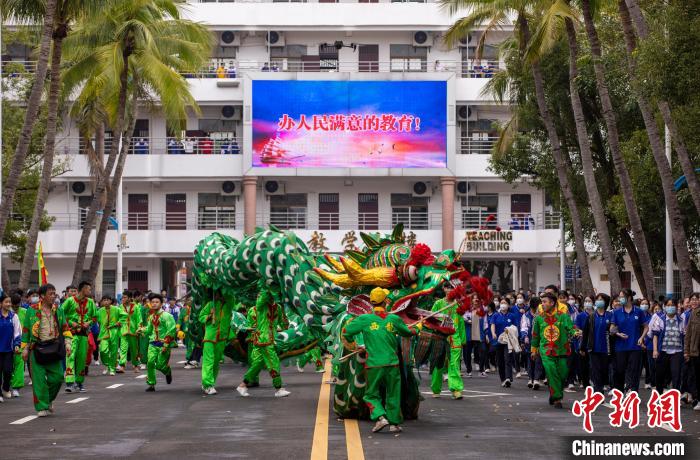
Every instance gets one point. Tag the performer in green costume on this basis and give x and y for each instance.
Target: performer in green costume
(551, 333)
(108, 317)
(18, 365)
(453, 356)
(46, 323)
(379, 331)
(143, 338)
(261, 350)
(194, 336)
(131, 321)
(313, 355)
(80, 313)
(161, 332)
(216, 317)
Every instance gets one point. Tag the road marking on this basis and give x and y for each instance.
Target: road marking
(76, 400)
(142, 376)
(319, 447)
(181, 362)
(480, 394)
(353, 441)
(116, 385)
(24, 420)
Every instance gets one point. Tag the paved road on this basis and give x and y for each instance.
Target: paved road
(119, 419)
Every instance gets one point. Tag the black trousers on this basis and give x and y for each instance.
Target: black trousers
(472, 346)
(650, 369)
(535, 371)
(6, 367)
(504, 362)
(695, 368)
(599, 370)
(668, 364)
(628, 369)
(584, 370)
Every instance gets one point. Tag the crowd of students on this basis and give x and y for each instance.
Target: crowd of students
(619, 339)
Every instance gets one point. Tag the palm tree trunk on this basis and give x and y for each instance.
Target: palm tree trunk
(664, 107)
(112, 197)
(47, 168)
(680, 240)
(596, 203)
(628, 243)
(30, 117)
(560, 165)
(638, 235)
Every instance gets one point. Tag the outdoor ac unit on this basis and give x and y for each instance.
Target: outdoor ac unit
(422, 38)
(421, 189)
(229, 38)
(465, 113)
(80, 189)
(463, 188)
(230, 188)
(465, 41)
(231, 112)
(273, 187)
(274, 38)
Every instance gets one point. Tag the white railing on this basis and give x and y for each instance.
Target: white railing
(162, 146)
(341, 221)
(220, 219)
(490, 220)
(477, 145)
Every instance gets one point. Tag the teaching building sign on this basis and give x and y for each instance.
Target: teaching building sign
(488, 241)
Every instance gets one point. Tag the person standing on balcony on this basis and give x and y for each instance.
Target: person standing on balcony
(231, 70)
(80, 313)
(216, 317)
(131, 323)
(188, 146)
(220, 71)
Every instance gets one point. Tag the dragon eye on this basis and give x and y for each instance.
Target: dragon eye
(412, 273)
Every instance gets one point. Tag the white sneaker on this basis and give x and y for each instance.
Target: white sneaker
(570, 389)
(15, 393)
(647, 386)
(243, 391)
(97, 362)
(444, 378)
(529, 384)
(210, 391)
(142, 367)
(379, 426)
(300, 369)
(42, 413)
(536, 384)
(697, 407)
(518, 375)
(51, 408)
(105, 372)
(188, 366)
(195, 364)
(1, 400)
(7, 395)
(482, 374)
(395, 429)
(111, 373)
(281, 393)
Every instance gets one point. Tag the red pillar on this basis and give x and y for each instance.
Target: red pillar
(250, 190)
(447, 185)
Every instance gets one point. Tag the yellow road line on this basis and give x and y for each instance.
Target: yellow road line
(353, 440)
(319, 448)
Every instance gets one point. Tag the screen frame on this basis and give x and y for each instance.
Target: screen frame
(250, 170)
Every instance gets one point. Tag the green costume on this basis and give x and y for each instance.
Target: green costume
(194, 334)
(551, 333)
(313, 355)
(161, 332)
(183, 322)
(379, 332)
(262, 354)
(18, 364)
(216, 317)
(131, 322)
(46, 378)
(454, 352)
(80, 315)
(143, 338)
(110, 327)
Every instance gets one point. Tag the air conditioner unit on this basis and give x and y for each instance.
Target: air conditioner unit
(230, 188)
(231, 112)
(464, 188)
(274, 38)
(422, 38)
(421, 189)
(229, 38)
(465, 41)
(273, 187)
(465, 113)
(80, 189)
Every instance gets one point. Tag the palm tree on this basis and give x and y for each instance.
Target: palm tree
(560, 16)
(638, 235)
(66, 12)
(497, 12)
(635, 12)
(20, 9)
(680, 240)
(132, 49)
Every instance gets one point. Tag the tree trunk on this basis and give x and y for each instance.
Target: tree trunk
(5, 280)
(638, 235)
(680, 240)
(635, 261)
(681, 149)
(601, 225)
(30, 117)
(47, 168)
(560, 165)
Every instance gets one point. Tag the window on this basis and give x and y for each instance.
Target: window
(484, 67)
(33, 279)
(368, 211)
(139, 140)
(480, 211)
(408, 58)
(411, 211)
(137, 216)
(328, 58)
(520, 216)
(217, 127)
(137, 280)
(288, 58)
(175, 211)
(288, 211)
(328, 211)
(368, 56)
(216, 211)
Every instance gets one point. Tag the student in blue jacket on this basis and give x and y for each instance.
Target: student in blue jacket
(629, 328)
(648, 362)
(595, 342)
(504, 359)
(10, 341)
(535, 371)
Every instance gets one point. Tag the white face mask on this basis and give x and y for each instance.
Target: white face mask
(504, 307)
(34, 299)
(520, 301)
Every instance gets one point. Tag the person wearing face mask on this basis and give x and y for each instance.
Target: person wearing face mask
(691, 346)
(629, 328)
(668, 348)
(535, 371)
(474, 325)
(648, 362)
(582, 362)
(500, 320)
(32, 299)
(595, 342)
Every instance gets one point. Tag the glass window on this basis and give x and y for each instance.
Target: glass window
(216, 211)
(288, 211)
(368, 211)
(408, 58)
(328, 211)
(410, 210)
(480, 211)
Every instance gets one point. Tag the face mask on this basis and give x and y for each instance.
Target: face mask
(504, 307)
(600, 304)
(671, 310)
(588, 305)
(623, 301)
(644, 307)
(519, 301)
(34, 299)
(571, 302)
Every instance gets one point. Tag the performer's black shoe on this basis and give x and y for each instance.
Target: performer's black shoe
(151, 388)
(557, 405)
(169, 377)
(253, 384)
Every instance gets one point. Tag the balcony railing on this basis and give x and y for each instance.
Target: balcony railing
(479, 146)
(489, 220)
(235, 68)
(359, 221)
(205, 220)
(162, 146)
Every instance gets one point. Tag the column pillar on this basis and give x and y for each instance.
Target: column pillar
(447, 185)
(250, 190)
